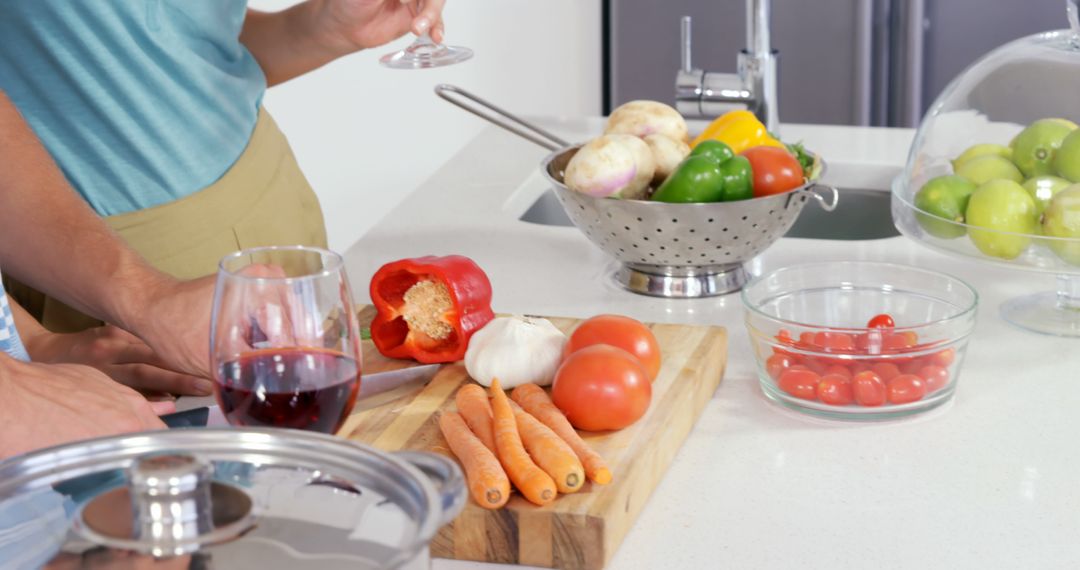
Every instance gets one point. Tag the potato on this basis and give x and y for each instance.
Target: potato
(643, 118)
(667, 154)
(612, 166)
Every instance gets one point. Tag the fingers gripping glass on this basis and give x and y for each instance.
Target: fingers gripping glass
(284, 340)
(425, 53)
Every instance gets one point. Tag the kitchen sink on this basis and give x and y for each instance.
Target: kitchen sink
(860, 214)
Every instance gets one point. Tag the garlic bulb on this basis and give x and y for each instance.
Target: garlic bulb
(516, 350)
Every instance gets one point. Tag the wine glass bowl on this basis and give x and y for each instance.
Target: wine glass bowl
(285, 347)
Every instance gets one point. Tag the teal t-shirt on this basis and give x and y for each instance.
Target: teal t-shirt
(140, 102)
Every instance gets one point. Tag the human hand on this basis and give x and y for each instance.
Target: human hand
(51, 404)
(175, 324)
(121, 355)
(351, 25)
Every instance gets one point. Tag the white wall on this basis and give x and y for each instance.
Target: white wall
(366, 135)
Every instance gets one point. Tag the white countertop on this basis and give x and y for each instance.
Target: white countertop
(991, 480)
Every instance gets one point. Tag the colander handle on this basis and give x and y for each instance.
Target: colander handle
(827, 206)
(447, 477)
(512, 123)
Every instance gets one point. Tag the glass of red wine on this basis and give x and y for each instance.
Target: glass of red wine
(284, 339)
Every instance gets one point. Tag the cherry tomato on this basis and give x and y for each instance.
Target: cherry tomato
(913, 366)
(777, 364)
(835, 390)
(799, 367)
(818, 365)
(602, 387)
(857, 367)
(621, 332)
(882, 321)
(943, 358)
(839, 369)
(905, 389)
(936, 377)
(886, 370)
(775, 170)
(868, 389)
(784, 337)
(835, 342)
(800, 383)
(806, 341)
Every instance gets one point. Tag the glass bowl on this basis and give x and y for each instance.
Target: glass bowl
(816, 316)
(975, 181)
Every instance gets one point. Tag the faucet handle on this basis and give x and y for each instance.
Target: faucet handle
(685, 56)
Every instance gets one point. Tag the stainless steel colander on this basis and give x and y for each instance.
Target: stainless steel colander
(666, 250)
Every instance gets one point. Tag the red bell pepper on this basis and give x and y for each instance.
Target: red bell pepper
(427, 308)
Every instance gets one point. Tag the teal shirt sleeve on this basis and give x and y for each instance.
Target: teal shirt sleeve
(140, 102)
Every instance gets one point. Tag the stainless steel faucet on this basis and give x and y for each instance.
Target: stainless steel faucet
(708, 94)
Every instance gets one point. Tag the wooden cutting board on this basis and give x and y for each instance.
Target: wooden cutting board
(577, 531)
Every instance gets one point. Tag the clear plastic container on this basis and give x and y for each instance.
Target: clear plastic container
(816, 315)
(1007, 123)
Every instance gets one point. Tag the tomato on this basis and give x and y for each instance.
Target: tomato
(602, 387)
(621, 332)
(839, 369)
(869, 389)
(775, 170)
(800, 383)
(835, 342)
(799, 367)
(835, 390)
(905, 389)
(886, 370)
(935, 377)
(806, 341)
(900, 341)
(913, 366)
(784, 337)
(858, 366)
(944, 358)
(777, 364)
(882, 321)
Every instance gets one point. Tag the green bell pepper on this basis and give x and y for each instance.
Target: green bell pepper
(711, 173)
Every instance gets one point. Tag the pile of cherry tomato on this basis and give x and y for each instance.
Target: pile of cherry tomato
(892, 379)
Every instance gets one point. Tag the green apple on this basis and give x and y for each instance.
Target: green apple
(1042, 188)
(983, 169)
(1067, 158)
(981, 150)
(1062, 220)
(1007, 212)
(943, 197)
(1035, 146)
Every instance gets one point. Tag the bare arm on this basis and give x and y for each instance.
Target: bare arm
(311, 34)
(50, 239)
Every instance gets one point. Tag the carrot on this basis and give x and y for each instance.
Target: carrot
(473, 405)
(488, 483)
(550, 452)
(536, 401)
(534, 484)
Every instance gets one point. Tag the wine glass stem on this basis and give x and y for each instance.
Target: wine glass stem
(1068, 292)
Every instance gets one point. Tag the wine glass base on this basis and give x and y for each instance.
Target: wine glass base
(425, 56)
(1042, 313)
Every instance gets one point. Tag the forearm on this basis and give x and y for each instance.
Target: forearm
(50, 238)
(287, 44)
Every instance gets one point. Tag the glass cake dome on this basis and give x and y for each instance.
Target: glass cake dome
(994, 171)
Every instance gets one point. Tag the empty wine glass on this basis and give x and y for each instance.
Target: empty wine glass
(284, 341)
(425, 53)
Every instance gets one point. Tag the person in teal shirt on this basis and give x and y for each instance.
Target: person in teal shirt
(153, 111)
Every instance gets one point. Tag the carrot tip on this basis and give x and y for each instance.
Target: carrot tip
(572, 480)
(546, 495)
(602, 477)
(494, 497)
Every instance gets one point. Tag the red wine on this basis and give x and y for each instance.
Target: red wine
(292, 387)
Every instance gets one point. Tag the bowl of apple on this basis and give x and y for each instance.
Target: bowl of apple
(994, 173)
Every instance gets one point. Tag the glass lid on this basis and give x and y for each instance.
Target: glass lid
(992, 152)
(223, 498)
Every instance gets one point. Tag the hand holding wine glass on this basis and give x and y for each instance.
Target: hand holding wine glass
(284, 340)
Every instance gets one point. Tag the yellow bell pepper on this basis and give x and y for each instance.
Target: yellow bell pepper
(739, 130)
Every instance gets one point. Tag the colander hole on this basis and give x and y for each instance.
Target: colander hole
(621, 250)
(652, 255)
(646, 238)
(744, 218)
(674, 221)
(736, 238)
(635, 245)
(659, 231)
(703, 255)
(753, 226)
(662, 248)
(719, 247)
(676, 255)
(691, 248)
(627, 228)
(612, 234)
(728, 253)
(691, 230)
(804, 198)
(582, 207)
(675, 239)
(639, 219)
(725, 229)
(710, 220)
(771, 211)
(643, 260)
(609, 215)
(708, 239)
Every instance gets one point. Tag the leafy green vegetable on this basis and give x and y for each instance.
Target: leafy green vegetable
(805, 159)
(365, 333)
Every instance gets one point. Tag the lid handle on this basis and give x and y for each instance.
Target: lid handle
(170, 498)
(447, 477)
